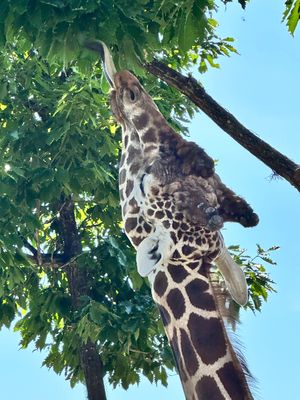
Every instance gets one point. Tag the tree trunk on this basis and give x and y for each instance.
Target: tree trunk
(93, 372)
(77, 277)
(278, 162)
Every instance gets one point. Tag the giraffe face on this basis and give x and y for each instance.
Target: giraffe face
(129, 99)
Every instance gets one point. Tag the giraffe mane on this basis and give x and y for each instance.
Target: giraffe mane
(228, 310)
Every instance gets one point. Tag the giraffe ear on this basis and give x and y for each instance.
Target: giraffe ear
(234, 277)
(153, 251)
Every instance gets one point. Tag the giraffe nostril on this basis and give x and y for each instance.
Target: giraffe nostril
(132, 95)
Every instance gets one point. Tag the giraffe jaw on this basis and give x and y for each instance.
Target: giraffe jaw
(109, 68)
(234, 277)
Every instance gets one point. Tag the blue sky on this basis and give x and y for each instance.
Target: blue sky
(261, 88)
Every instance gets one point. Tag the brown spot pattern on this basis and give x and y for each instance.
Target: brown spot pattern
(193, 265)
(207, 337)
(130, 224)
(122, 176)
(199, 241)
(136, 240)
(155, 190)
(135, 167)
(122, 159)
(149, 135)
(231, 382)
(159, 214)
(175, 224)
(141, 121)
(187, 250)
(207, 389)
(160, 283)
(176, 254)
(133, 202)
(195, 291)
(147, 227)
(176, 303)
(133, 153)
(177, 272)
(179, 216)
(169, 214)
(175, 347)
(166, 224)
(188, 353)
(173, 236)
(129, 187)
(184, 226)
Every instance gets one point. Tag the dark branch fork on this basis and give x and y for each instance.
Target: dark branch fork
(277, 161)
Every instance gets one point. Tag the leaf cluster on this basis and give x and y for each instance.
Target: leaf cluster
(291, 14)
(258, 278)
(243, 3)
(58, 139)
(136, 31)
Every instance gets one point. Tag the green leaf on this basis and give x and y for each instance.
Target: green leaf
(104, 85)
(292, 15)
(189, 30)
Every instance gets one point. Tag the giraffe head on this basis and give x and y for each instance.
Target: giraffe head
(128, 97)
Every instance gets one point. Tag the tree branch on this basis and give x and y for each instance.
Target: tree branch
(277, 161)
(42, 258)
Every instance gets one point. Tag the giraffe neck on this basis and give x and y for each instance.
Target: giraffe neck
(133, 165)
(207, 363)
(152, 129)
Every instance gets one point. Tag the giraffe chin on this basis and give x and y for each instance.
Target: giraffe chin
(233, 276)
(153, 251)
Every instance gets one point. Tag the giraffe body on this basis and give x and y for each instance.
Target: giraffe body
(173, 206)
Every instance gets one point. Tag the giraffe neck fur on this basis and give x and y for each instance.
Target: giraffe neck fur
(203, 352)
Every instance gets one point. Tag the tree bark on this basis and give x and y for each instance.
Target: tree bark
(93, 371)
(278, 162)
(77, 277)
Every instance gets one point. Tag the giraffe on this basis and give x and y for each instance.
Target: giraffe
(173, 207)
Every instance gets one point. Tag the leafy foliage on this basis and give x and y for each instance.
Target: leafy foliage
(258, 279)
(136, 31)
(57, 136)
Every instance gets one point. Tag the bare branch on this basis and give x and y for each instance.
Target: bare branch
(42, 259)
(277, 161)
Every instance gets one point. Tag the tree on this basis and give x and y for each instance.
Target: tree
(67, 272)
